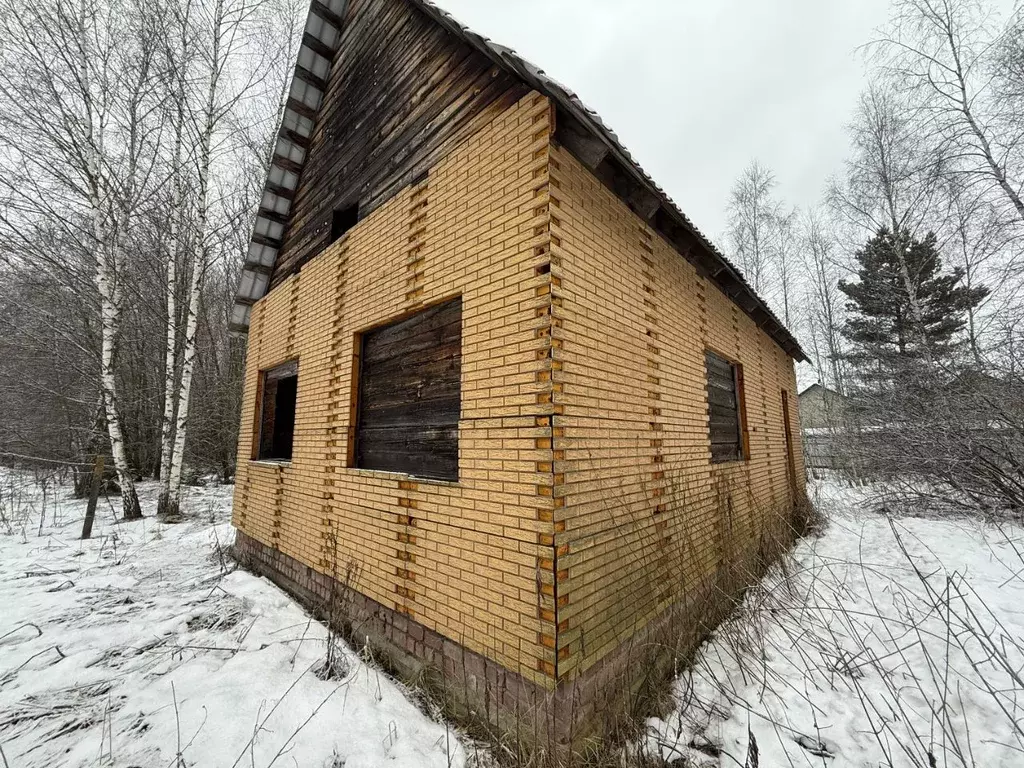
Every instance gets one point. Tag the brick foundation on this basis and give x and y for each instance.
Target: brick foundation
(627, 685)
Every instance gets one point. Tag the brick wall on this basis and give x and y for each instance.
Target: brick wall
(587, 518)
(643, 517)
(466, 560)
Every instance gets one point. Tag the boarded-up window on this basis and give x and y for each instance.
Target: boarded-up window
(409, 395)
(725, 409)
(278, 389)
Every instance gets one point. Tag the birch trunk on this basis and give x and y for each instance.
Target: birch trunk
(185, 394)
(170, 365)
(198, 271)
(109, 324)
(106, 286)
(171, 359)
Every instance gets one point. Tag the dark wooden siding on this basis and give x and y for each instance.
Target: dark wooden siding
(402, 93)
(409, 395)
(724, 415)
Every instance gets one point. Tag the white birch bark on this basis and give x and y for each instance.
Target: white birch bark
(171, 393)
(198, 270)
(106, 286)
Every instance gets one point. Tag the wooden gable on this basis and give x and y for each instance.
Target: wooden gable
(385, 88)
(402, 92)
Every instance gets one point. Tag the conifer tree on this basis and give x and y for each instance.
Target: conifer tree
(904, 311)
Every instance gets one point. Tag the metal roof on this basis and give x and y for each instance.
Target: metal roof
(324, 25)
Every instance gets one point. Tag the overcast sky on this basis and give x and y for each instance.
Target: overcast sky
(695, 89)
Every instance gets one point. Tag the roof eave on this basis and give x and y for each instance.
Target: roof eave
(310, 78)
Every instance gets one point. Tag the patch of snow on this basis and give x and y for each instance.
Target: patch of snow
(883, 642)
(145, 647)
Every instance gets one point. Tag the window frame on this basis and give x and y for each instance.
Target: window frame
(742, 453)
(274, 375)
(356, 457)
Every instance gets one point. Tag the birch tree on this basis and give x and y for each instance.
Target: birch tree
(753, 213)
(230, 69)
(825, 301)
(75, 86)
(783, 261)
(178, 61)
(943, 52)
(978, 242)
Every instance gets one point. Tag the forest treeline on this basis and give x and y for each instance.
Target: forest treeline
(904, 283)
(134, 140)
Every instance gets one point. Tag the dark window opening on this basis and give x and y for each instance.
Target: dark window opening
(279, 388)
(409, 395)
(343, 220)
(725, 409)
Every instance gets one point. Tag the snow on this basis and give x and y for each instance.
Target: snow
(146, 647)
(883, 642)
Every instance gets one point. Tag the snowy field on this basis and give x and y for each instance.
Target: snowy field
(144, 647)
(885, 642)
(882, 642)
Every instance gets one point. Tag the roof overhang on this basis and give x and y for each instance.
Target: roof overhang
(320, 39)
(597, 146)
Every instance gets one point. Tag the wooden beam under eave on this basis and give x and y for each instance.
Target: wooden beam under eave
(264, 240)
(324, 12)
(287, 194)
(748, 302)
(280, 218)
(584, 146)
(284, 162)
(317, 47)
(317, 82)
(643, 202)
(253, 266)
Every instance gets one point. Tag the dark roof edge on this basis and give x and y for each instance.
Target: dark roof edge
(571, 103)
(322, 34)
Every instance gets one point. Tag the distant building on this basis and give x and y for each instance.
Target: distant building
(821, 408)
(823, 413)
(502, 399)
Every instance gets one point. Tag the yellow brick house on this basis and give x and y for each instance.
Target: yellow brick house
(503, 402)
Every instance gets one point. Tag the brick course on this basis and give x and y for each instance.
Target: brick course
(643, 512)
(459, 558)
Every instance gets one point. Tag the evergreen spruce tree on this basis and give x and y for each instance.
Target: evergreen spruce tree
(891, 340)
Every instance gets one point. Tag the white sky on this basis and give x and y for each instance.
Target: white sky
(695, 89)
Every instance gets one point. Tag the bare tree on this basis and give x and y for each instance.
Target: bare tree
(78, 113)
(178, 53)
(943, 51)
(981, 242)
(783, 261)
(231, 69)
(824, 299)
(753, 214)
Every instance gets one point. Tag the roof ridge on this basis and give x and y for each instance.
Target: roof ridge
(327, 17)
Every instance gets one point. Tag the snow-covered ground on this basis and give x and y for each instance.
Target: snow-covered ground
(880, 643)
(885, 642)
(145, 647)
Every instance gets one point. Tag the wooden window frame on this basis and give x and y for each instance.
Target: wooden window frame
(743, 436)
(286, 370)
(359, 365)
